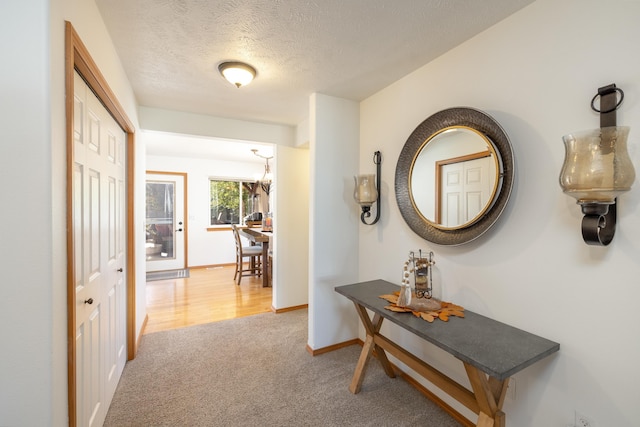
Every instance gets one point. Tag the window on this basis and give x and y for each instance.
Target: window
(230, 201)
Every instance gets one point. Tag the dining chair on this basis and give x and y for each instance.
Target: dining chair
(252, 253)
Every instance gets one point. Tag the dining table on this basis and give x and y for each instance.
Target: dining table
(256, 236)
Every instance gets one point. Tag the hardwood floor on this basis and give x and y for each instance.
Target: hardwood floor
(208, 295)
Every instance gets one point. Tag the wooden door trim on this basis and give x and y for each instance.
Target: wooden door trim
(185, 210)
(77, 57)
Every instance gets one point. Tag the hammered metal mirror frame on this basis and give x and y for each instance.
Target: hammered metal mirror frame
(454, 117)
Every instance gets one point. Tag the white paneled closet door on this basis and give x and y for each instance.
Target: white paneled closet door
(465, 189)
(99, 213)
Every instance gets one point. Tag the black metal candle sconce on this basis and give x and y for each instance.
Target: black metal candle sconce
(597, 168)
(367, 191)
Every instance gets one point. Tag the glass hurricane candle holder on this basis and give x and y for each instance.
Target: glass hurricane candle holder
(597, 167)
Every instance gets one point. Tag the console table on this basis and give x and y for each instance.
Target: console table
(491, 351)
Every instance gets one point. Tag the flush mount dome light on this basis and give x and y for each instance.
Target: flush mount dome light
(237, 73)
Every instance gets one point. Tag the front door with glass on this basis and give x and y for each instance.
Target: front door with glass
(165, 226)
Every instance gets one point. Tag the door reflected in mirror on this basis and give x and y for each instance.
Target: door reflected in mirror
(454, 177)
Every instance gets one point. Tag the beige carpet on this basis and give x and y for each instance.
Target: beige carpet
(255, 371)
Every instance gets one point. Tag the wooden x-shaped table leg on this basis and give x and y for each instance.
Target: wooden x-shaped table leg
(372, 328)
(490, 394)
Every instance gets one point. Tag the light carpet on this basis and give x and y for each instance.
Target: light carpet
(256, 371)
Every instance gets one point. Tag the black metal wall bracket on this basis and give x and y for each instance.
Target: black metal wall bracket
(599, 222)
(598, 229)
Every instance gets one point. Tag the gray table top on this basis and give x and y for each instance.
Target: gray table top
(493, 347)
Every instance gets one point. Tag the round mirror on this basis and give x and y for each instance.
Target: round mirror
(454, 176)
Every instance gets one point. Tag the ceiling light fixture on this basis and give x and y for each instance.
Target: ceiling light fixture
(237, 73)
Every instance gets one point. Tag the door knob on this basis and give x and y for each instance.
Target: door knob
(120, 270)
(179, 229)
(88, 301)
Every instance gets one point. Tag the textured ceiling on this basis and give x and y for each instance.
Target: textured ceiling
(170, 49)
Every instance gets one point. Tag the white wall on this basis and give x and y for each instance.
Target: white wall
(291, 225)
(535, 73)
(33, 314)
(27, 297)
(333, 218)
(302, 134)
(181, 122)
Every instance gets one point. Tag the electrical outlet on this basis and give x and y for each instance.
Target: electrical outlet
(583, 421)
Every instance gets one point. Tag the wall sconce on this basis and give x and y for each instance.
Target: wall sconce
(597, 169)
(237, 73)
(367, 191)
